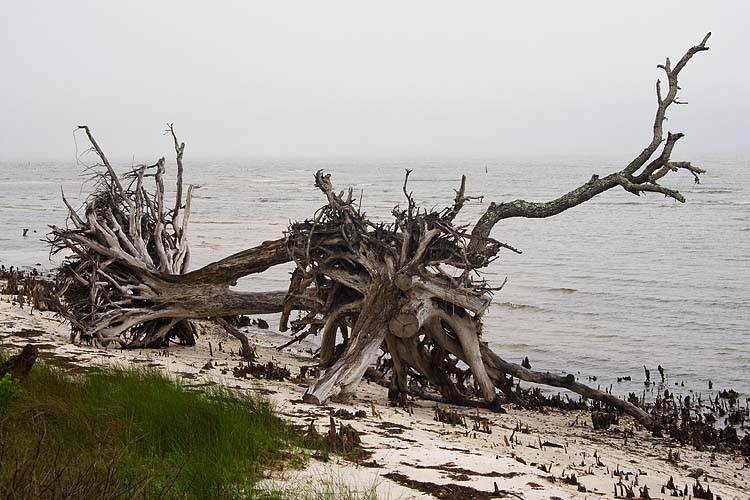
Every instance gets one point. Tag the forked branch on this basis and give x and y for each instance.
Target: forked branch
(636, 178)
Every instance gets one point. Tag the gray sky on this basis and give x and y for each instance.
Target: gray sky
(405, 79)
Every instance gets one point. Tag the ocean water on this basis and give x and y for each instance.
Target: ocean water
(601, 290)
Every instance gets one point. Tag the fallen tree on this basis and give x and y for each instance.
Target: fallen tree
(411, 288)
(127, 281)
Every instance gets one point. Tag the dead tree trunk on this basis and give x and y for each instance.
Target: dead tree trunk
(342, 378)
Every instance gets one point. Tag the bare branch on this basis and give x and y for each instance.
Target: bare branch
(179, 149)
(480, 250)
(100, 152)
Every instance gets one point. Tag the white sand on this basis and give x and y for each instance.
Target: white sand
(414, 444)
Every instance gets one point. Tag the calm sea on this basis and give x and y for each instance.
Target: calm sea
(600, 290)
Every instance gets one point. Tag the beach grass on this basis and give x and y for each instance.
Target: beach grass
(134, 433)
(325, 489)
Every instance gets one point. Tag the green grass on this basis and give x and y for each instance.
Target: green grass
(137, 434)
(9, 389)
(324, 489)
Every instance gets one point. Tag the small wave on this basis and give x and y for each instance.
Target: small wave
(517, 345)
(723, 203)
(218, 222)
(511, 305)
(207, 244)
(714, 191)
(618, 203)
(562, 290)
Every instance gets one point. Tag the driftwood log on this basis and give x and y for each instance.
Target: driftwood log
(411, 288)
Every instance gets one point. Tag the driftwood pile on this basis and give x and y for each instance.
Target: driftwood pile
(411, 288)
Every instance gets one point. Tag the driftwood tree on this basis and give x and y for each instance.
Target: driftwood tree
(411, 288)
(127, 281)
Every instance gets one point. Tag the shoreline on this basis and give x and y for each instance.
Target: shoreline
(621, 382)
(526, 454)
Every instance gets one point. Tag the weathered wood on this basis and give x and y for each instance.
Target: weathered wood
(228, 270)
(20, 364)
(468, 336)
(434, 317)
(399, 378)
(403, 281)
(567, 382)
(341, 380)
(330, 330)
(431, 367)
(412, 317)
(497, 367)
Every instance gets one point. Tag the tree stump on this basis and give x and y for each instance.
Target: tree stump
(20, 365)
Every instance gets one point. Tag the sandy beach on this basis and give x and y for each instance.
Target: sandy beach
(375, 250)
(518, 454)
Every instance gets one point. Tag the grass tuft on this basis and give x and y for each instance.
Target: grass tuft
(329, 486)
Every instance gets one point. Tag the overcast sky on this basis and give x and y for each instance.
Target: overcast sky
(380, 79)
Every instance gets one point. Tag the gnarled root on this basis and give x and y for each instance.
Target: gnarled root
(127, 280)
(430, 268)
